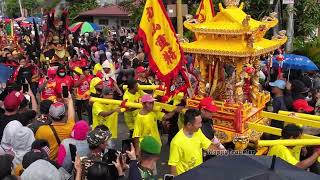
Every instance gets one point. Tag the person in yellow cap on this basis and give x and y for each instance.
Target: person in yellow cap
(96, 86)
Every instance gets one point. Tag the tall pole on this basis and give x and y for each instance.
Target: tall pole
(179, 17)
(21, 10)
(290, 28)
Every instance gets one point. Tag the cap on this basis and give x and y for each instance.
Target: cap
(12, 100)
(97, 137)
(33, 156)
(140, 69)
(147, 98)
(208, 104)
(106, 64)
(80, 130)
(150, 145)
(281, 84)
(78, 70)
(302, 104)
(57, 110)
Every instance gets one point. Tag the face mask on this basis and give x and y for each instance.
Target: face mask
(62, 74)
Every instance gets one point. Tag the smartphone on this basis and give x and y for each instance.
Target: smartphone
(25, 88)
(23, 80)
(73, 152)
(111, 156)
(65, 91)
(168, 177)
(126, 145)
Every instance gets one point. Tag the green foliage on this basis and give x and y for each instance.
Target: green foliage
(12, 8)
(307, 14)
(135, 9)
(78, 6)
(309, 48)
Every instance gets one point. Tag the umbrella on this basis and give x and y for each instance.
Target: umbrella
(292, 61)
(20, 19)
(5, 72)
(249, 167)
(36, 19)
(84, 27)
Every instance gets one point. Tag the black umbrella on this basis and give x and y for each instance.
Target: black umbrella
(245, 167)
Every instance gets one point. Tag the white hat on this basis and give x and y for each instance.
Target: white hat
(106, 64)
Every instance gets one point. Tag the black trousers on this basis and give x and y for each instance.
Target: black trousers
(81, 106)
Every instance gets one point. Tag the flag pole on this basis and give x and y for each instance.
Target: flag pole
(179, 17)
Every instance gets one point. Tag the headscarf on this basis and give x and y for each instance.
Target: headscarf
(80, 130)
(8, 135)
(23, 139)
(42, 170)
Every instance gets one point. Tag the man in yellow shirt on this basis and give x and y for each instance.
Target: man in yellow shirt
(292, 154)
(132, 94)
(106, 114)
(146, 121)
(60, 128)
(186, 147)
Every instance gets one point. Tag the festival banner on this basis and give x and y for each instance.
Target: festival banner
(162, 47)
(205, 11)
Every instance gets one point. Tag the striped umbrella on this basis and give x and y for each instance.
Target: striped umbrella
(84, 27)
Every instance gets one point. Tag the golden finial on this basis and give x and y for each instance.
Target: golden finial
(230, 3)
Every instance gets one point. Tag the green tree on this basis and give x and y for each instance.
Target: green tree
(13, 10)
(78, 6)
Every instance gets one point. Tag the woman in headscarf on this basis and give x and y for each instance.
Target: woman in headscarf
(21, 144)
(8, 137)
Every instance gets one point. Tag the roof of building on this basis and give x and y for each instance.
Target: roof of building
(111, 10)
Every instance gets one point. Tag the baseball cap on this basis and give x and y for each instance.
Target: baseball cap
(78, 70)
(147, 98)
(150, 145)
(98, 136)
(140, 69)
(301, 104)
(281, 84)
(208, 104)
(12, 100)
(57, 110)
(106, 64)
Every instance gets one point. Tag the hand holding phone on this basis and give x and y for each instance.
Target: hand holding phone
(73, 152)
(25, 88)
(65, 92)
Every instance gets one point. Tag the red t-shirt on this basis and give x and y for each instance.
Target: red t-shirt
(49, 92)
(82, 92)
(106, 83)
(65, 81)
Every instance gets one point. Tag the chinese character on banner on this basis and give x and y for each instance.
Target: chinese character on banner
(150, 13)
(161, 46)
(162, 41)
(169, 55)
(155, 28)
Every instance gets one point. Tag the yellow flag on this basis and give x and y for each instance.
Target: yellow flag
(205, 11)
(161, 45)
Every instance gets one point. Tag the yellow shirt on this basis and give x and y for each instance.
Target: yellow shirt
(63, 131)
(110, 121)
(130, 115)
(292, 156)
(186, 152)
(146, 125)
(96, 68)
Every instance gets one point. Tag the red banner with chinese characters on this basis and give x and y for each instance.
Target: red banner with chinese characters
(205, 11)
(162, 47)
